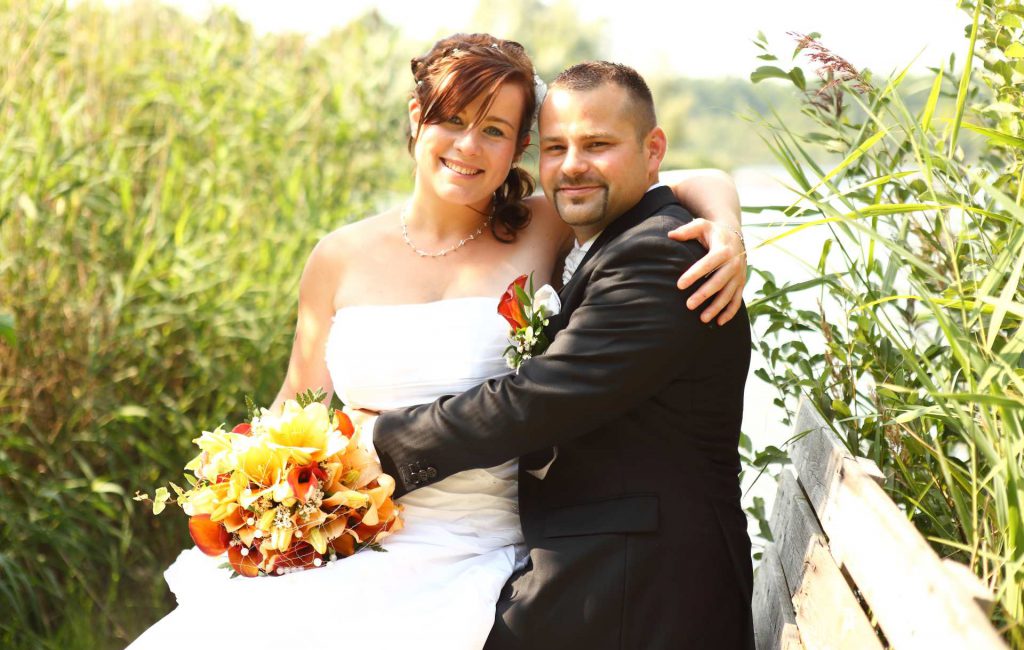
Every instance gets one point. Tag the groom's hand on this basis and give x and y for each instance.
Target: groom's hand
(726, 261)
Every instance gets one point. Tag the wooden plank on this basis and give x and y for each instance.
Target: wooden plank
(971, 585)
(791, 638)
(871, 469)
(774, 621)
(828, 615)
(816, 458)
(794, 528)
(916, 602)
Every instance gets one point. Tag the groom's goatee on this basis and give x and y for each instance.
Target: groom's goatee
(583, 210)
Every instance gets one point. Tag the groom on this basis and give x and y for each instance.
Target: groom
(627, 426)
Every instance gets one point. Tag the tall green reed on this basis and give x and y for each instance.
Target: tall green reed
(916, 345)
(161, 183)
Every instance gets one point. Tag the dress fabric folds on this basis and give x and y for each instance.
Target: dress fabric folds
(438, 582)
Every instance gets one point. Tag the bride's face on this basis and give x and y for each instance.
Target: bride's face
(466, 157)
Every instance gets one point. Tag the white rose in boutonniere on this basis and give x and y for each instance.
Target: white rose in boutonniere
(546, 302)
(527, 316)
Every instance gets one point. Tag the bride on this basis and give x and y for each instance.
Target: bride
(398, 309)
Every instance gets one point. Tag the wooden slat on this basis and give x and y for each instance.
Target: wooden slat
(871, 469)
(827, 613)
(791, 638)
(816, 459)
(794, 527)
(774, 621)
(912, 596)
(971, 585)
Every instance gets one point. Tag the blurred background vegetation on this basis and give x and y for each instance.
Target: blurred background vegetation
(909, 333)
(162, 180)
(161, 184)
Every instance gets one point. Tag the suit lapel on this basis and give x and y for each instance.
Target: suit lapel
(651, 203)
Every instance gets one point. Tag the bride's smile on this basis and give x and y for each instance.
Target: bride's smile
(464, 157)
(462, 170)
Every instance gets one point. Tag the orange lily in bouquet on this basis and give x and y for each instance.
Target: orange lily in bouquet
(285, 492)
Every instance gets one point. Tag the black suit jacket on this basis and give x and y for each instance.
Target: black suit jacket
(636, 535)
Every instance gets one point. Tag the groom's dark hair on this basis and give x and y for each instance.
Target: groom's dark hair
(592, 74)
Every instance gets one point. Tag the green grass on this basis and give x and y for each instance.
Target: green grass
(161, 183)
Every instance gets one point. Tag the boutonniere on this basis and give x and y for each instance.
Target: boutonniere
(527, 312)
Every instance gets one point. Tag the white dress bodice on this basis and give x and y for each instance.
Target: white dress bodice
(417, 353)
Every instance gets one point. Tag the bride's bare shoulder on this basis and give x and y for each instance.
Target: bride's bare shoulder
(327, 261)
(349, 240)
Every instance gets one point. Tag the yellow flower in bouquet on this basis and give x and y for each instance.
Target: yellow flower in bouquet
(285, 492)
(302, 430)
(260, 461)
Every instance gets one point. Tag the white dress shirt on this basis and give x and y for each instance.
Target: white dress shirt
(575, 256)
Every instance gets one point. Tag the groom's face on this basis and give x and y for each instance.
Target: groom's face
(594, 164)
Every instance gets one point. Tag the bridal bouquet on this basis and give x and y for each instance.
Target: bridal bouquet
(527, 312)
(286, 492)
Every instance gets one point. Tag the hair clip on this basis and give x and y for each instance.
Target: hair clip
(540, 91)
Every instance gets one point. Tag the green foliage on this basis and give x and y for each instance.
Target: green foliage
(309, 396)
(161, 184)
(7, 331)
(916, 345)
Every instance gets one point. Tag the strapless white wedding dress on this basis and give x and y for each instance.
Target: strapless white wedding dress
(437, 585)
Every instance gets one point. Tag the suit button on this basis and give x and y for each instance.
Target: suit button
(421, 476)
(431, 472)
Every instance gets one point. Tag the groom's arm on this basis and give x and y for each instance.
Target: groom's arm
(626, 340)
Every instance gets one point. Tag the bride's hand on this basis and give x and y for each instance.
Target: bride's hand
(360, 417)
(364, 419)
(726, 261)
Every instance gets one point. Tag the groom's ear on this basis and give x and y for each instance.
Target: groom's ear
(414, 116)
(655, 145)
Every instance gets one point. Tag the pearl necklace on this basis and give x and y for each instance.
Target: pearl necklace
(444, 251)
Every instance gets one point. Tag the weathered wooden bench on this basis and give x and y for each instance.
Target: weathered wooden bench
(847, 569)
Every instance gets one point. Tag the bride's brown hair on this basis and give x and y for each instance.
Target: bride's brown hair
(456, 71)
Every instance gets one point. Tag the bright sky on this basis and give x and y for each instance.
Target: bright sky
(704, 39)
